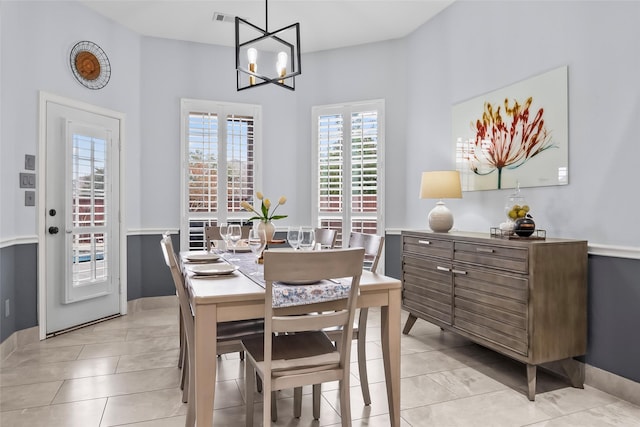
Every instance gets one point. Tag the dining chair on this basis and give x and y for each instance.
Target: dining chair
(212, 234)
(372, 245)
(294, 350)
(229, 334)
(326, 237)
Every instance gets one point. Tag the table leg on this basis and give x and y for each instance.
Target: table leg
(390, 337)
(205, 363)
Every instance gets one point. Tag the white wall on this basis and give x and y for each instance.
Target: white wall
(470, 48)
(36, 40)
(474, 47)
(172, 70)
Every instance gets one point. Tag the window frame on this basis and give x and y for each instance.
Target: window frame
(347, 216)
(222, 110)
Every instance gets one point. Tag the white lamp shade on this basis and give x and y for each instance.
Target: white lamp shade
(440, 185)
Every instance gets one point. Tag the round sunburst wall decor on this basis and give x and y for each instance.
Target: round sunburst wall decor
(90, 65)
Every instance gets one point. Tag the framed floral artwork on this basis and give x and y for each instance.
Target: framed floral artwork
(517, 135)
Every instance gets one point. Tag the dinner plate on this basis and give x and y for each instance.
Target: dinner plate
(212, 269)
(202, 257)
(242, 247)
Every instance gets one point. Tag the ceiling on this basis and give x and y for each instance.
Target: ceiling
(324, 24)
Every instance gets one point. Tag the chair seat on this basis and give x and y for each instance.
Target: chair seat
(229, 331)
(309, 349)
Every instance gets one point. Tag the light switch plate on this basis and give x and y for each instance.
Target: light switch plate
(29, 198)
(30, 162)
(27, 180)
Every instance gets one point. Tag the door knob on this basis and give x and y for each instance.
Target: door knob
(53, 230)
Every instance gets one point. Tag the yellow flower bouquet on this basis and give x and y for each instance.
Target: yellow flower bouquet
(264, 215)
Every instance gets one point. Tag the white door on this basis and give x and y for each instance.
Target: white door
(81, 225)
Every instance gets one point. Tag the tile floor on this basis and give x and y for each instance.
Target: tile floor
(123, 372)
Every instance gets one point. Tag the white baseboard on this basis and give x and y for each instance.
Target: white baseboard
(152, 303)
(18, 339)
(613, 384)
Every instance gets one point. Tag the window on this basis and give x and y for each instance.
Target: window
(220, 165)
(349, 178)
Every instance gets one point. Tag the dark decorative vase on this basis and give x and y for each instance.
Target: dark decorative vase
(524, 227)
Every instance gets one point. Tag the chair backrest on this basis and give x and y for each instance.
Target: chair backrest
(326, 237)
(178, 280)
(212, 233)
(307, 266)
(372, 244)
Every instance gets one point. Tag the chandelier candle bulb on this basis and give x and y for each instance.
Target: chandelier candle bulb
(252, 56)
(281, 66)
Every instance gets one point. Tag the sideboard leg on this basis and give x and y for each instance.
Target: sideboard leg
(575, 371)
(531, 380)
(411, 320)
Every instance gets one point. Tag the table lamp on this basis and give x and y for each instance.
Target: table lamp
(440, 185)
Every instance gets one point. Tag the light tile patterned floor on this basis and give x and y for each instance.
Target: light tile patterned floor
(124, 372)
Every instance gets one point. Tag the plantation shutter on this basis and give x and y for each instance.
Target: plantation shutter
(219, 168)
(348, 141)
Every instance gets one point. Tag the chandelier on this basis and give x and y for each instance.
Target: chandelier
(266, 57)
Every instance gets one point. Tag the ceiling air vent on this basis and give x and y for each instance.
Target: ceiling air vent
(223, 17)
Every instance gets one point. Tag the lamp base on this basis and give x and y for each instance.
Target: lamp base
(440, 218)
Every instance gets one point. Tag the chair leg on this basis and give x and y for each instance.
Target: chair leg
(268, 399)
(185, 378)
(274, 407)
(182, 340)
(249, 382)
(258, 384)
(317, 392)
(345, 404)
(297, 402)
(183, 364)
(190, 389)
(362, 355)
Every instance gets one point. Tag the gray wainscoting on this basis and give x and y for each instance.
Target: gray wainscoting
(18, 284)
(613, 301)
(613, 342)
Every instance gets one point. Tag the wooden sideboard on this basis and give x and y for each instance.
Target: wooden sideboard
(524, 298)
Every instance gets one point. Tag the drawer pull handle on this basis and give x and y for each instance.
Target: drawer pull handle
(424, 242)
(458, 272)
(442, 268)
(487, 251)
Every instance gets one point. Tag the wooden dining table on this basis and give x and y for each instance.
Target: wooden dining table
(237, 296)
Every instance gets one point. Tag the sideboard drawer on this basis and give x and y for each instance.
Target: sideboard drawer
(427, 246)
(507, 258)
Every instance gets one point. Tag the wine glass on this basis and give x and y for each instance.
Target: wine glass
(307, 239)
(224, 231)
(293, 237)
(257, 242)
(235, 233)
